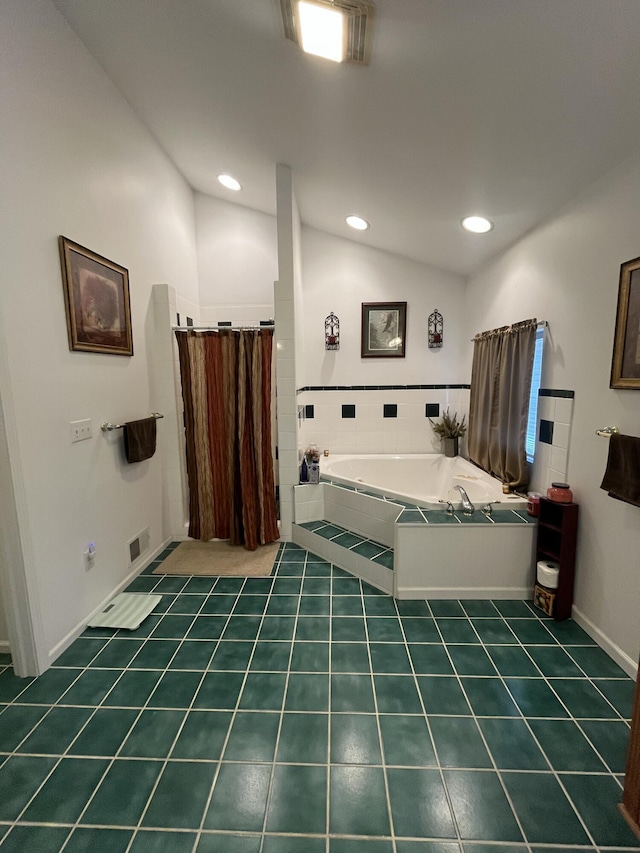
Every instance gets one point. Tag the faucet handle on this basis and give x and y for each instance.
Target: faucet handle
(488, 507)
(449, 509)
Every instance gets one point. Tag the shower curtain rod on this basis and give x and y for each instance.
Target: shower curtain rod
(216, 328)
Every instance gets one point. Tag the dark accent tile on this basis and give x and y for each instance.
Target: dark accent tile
(390, 410)
(406, 741)
(123, 793)
(348, 411)
(432, 410)
(419, 804)
(565, 745)
(554, 392)
(545, 434)
(243, 813)
(358, 802)
(303, 739)
(66, 792)
(458, 742)
(202, 735)
(512, 745)
(354, 739)
(309, 411)
(480, 806)
(298, 800)
(556, 823)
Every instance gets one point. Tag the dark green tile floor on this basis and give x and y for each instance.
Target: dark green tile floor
(309, 713)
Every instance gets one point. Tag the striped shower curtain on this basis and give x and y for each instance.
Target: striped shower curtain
(226, 389)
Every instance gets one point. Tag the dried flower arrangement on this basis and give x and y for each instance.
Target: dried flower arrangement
(449, 426)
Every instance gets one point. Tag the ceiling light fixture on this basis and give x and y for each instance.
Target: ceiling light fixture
(357, 222)
(477, 224)
(322, 30)
(349, 22)
(229, 182)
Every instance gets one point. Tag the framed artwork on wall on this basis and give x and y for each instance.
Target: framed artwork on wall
(384, 327)
(625, 365)
(96, 298)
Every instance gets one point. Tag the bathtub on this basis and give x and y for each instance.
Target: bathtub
(425, 479)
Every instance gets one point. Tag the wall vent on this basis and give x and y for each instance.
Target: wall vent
(138, 545)
(359, 16)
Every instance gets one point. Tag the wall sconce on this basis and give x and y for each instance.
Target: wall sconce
(435, 330)
(332, 332)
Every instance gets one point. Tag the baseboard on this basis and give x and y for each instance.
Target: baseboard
(473, 592)
(623, 660)
(4, 647)
(73, 635)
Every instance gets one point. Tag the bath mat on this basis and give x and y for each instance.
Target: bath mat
(127, 610)
(219, 558)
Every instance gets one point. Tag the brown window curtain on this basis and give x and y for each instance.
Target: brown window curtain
(226, 389)
(499, 404)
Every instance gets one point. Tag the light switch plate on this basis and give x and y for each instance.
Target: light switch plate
(81, 430)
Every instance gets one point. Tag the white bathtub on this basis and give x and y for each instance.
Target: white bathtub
(426, 479)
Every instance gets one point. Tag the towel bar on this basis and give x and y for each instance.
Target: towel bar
(107, 427)
(607, 432)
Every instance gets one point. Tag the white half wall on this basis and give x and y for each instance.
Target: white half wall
(567, 273)
(76, 161)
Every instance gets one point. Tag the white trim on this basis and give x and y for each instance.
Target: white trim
(476, 593)
(623, 660)
(73, 635)
(18, 585)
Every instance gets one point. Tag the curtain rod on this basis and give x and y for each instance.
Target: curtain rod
(540, 324)
(217, 328)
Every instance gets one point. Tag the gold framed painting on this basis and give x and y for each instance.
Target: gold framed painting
(384, 326)
(625, 364)
(96, 298)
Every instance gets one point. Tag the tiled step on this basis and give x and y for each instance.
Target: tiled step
(365, 558)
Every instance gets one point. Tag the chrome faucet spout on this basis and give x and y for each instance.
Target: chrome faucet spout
(467, 507)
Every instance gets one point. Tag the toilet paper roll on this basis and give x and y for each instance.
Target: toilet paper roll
(547, 573)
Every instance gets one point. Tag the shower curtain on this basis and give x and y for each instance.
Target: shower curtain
(499, 401)
(226, 389)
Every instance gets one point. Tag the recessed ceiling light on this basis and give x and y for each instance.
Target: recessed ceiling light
(357, 222)
(229, 182)
(322, 29)
(477, 224)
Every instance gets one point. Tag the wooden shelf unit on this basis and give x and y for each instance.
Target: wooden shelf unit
(556, 540)
(630, 805)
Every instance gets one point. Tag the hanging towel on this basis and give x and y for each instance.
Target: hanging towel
(140, 439)
(622, 477)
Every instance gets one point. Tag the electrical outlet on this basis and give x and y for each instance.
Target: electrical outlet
(81, 430)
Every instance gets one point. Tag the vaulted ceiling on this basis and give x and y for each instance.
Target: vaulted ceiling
(506, 108)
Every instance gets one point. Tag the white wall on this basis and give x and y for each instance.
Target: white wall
(339, 275)
(76, 161)
(567, 273)
(237, 261)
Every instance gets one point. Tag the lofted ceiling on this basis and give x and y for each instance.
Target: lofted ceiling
(506, 108)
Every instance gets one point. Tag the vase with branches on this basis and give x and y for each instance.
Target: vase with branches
(450, 430)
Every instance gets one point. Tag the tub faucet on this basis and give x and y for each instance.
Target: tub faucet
(467, 507)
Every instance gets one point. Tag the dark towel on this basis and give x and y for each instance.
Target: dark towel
(622, 477)
(140, 439)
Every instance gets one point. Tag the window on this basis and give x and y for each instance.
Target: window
(533, 399)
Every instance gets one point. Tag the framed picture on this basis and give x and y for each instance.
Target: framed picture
(96, 298)
(625, 365)
(384, 326)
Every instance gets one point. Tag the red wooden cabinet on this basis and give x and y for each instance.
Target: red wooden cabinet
(556, 540)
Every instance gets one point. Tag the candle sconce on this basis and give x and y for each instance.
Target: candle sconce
(435, 330)
(332, 332)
